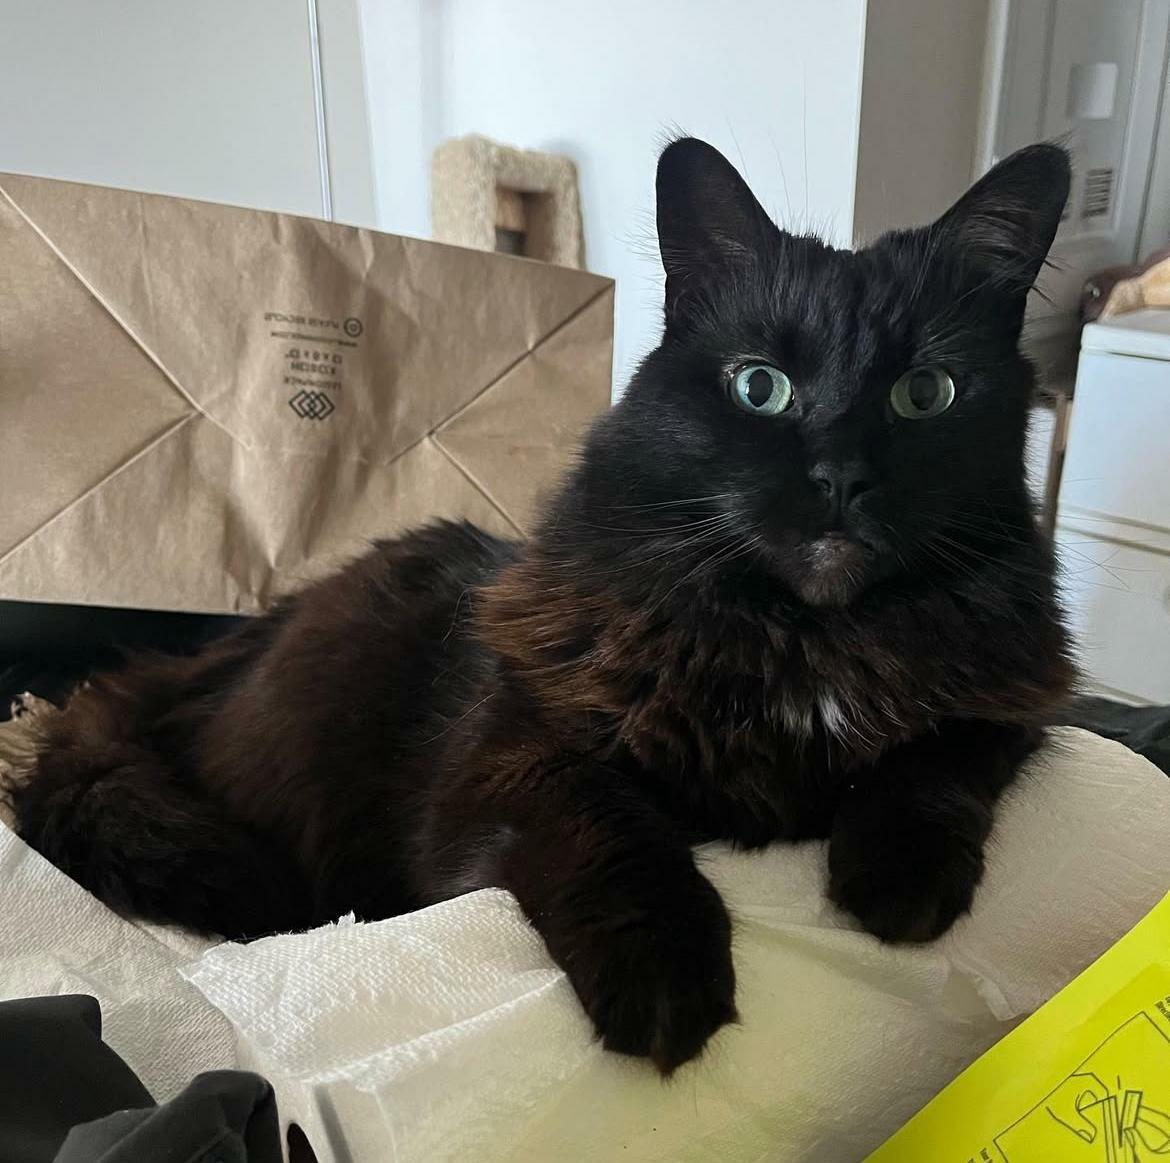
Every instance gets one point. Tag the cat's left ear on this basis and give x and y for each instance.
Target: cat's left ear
(1002, 228)
(709, 222)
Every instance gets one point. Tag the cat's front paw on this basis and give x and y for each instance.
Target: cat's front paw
(906, 884)
(661, 988)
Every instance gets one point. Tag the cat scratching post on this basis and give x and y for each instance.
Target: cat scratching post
(492, 197)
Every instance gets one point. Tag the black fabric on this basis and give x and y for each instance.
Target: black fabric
(56, 1071)
(47, 648)
(225, 1116)
(66, 1097)
(1145, 730)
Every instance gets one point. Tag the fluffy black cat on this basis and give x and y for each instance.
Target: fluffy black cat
(793, 589)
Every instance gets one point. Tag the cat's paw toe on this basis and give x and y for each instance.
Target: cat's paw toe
(661, 991)
(669, 1013)
(907, 895)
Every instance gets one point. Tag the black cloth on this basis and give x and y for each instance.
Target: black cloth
(55, 1071)
(66, 1097)
(47, 649)
(1145, 730)
(224, 1116)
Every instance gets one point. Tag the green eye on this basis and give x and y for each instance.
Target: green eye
(761, 389)
(922, 392)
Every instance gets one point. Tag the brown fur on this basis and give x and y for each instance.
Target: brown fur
(831, 621)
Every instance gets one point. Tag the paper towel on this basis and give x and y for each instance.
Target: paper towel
(422, 1037)
(449, 1034)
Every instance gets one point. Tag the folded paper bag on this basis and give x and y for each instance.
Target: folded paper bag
(232, 401)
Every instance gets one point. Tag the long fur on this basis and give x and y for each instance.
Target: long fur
(678, 654)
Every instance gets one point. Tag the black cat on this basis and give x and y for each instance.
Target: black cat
(793, 589)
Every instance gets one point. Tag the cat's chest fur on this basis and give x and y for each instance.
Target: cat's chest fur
(764, 697)
(743, 739)
(753, 711)
(763, 717)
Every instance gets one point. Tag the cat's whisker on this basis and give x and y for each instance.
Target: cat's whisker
(961, 549)
(989, 534)
(684, 549)
(738, 548)
(449, 727)
(673, 504)
(716, 519)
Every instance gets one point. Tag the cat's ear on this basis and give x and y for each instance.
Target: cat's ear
(1002, 228)
(708, 219)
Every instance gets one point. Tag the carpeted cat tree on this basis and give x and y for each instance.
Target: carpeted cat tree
(492, 197)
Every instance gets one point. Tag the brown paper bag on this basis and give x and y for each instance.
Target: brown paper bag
(202, 406)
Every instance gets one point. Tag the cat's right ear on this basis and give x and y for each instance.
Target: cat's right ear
(708, 220)
(1001, 229)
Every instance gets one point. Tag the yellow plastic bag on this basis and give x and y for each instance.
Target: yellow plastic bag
(1086, 1079)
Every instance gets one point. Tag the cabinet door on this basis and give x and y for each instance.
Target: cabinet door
(1118, 459)
(1118, 601)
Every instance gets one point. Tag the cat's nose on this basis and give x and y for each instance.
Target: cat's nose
(842, 484)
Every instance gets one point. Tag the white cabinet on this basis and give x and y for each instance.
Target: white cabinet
(1113, 526)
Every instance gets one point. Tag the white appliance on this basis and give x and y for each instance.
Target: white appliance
(1090, 73)
(1113, 523)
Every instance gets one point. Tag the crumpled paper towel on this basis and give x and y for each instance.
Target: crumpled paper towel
(448, 1034)
(423, 1037)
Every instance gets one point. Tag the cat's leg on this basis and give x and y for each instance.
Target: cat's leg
(612, 887)
(906, 851)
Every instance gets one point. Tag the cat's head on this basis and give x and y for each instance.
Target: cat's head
(840, 416)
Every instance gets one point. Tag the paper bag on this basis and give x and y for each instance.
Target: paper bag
(203, 406)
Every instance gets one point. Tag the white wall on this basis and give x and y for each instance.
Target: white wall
(217, 100)
(399, 43)
(773, 83)
(921, 97)
(212, 100)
